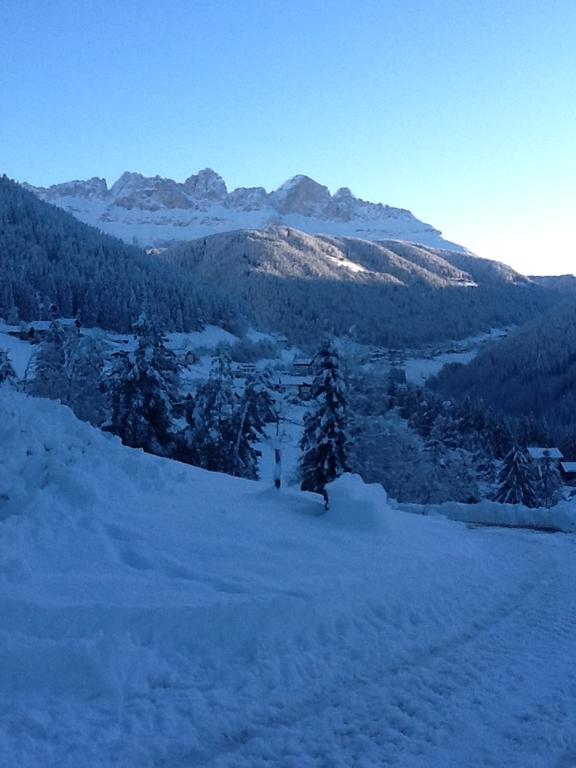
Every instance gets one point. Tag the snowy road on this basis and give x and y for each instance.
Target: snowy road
(500, 692)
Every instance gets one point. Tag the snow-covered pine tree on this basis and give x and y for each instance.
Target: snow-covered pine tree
(423, 417)
(498, 436)
(549, 488)
(67, 367)
(324, 442)
(7, 372)
(248, 425)
(516, 482)
(143, 389)
(49, 365)
(84, 365)
(210, 438)
(446, 430)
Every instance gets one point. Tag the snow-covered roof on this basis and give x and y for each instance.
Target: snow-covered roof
(536, 452)
(286, 380)
(569, 466)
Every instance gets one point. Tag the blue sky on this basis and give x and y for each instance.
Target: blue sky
(462, 111)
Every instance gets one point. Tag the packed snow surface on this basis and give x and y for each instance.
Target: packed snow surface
(18, 351)
(158, 616)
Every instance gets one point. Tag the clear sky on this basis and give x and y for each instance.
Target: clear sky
(463, 111)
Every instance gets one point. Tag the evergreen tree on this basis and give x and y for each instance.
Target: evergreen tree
(532, 431)
(143, 391)
(446, 430)
(84, 364)
(7, 372)
(68, 367)
(423, 417)
(516, 483)
(498, 436)
(49, 365)
(324, 442)
(210, 437)
(248, 427)
(549, 482)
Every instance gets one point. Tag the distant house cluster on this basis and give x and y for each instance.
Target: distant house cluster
(538, 455)
(294, 381)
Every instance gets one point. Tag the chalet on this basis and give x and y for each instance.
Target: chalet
(30, 333)
(39, 330)
(303, 366)
(537, 454)
(243, 370)
(297, 386)
(396, 356)
(568, 471)
(377, 355)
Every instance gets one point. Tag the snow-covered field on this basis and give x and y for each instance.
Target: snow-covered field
(154, 615)
(18, 351)
(419, 369)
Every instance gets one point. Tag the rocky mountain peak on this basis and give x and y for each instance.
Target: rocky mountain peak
(155, 211)
(128, 183)
(302, 195)
(247, 198)
(206, 185)
(86, 189)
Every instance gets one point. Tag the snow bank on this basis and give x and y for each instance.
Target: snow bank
(562, 517)
(356, 504)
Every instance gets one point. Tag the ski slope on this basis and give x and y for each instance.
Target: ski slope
(158, 616)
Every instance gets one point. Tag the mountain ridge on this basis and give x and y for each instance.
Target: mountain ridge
(156, 211)
(387, 292)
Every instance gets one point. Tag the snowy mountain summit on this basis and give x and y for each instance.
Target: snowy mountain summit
(154, 211)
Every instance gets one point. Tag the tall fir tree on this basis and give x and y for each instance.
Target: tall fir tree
(49, 365)
(324, 442)
(210, 434)
(549, 487)
(516, 481)
(84, 366)
(248, 424)
(143, 390)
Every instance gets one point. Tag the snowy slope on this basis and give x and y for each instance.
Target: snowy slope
(156, 615)
(388, 293)
(153, 211)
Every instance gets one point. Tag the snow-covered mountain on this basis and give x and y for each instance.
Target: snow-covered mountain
(385, 292)
(153, 211)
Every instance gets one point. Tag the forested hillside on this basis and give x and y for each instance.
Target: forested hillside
(532, 373)
(47, 258)
(391, 292)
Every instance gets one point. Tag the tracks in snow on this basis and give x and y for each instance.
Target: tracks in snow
(498, 693)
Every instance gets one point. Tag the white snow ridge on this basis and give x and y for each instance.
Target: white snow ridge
(153, 211)
(154, 615)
